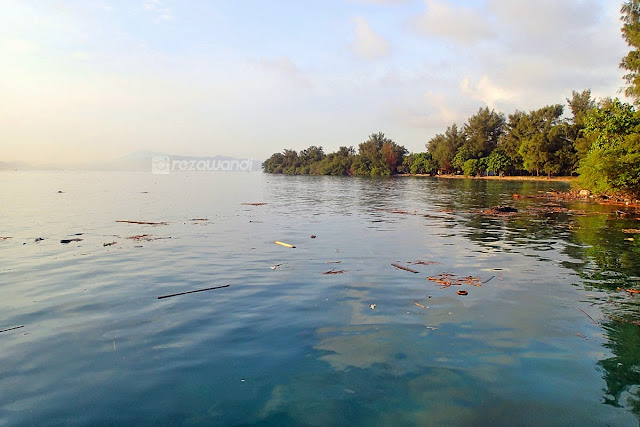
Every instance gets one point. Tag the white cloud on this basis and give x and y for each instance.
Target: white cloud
(157, 7)
(368, 44)
(458, 23)
(487, 92)
(285, 70)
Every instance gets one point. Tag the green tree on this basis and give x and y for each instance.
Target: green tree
(378, 155)
(482, 132)
(580, 104)
(498, 162)
(418, 163)
(274, 164)
(516, 130)
(471, 167)
(338, 163)
(613, 164)
(631, 34)
(544, 139)
(443, 148)
(462, 155)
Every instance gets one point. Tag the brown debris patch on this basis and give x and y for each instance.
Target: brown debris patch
(447, 279)
(333, 272)
(423, 262)
(141, 237)
(254, 204)
(500, 210)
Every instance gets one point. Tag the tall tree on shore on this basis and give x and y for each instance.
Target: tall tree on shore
(545, 136)
(612, 165)
(631, 34)
(378, 155)
(443, 147)
(482, 132)
(516, 130)
(581, 104)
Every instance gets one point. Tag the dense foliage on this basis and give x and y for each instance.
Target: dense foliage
(599, 140)
(378, 155)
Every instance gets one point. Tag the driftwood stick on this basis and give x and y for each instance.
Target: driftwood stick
(587, 314)
(143, 222)
(489, 279)
(402, 267)
(191, 292)
(11, 329)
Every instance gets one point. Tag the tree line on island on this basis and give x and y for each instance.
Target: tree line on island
(599, 141)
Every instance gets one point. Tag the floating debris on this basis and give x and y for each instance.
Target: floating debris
(286, 245)
(419, 305)
(273, 267)
(500, 210)
(333, 262)
(631, 231)
(334, 271)
(109, 244)
(402, 267)
(143, 222)
(199, 219)
(65, 241)
(313, 236)
(448, 279)
(463, 293)
(580, 335)
(38, 239)
(11, 329)
(632, 291)
(139, 237)
(5, 237)
(192, 292)
(423, 262)
(372, 306)
(254, 204)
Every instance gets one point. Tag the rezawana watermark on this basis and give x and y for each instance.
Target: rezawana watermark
(164, 165)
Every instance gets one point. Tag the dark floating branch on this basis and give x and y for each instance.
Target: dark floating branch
(191, 292)
(402, 267)
(144, 222)
(11, 329)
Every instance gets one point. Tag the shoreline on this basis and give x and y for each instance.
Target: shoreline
(500, 178)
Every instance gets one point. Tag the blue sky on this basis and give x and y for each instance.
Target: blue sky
(96, 80)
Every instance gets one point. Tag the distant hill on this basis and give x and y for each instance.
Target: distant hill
(143, 161)
(14, 166)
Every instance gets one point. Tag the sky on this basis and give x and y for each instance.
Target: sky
(94, 80)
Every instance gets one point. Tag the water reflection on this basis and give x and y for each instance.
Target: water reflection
(292, 346)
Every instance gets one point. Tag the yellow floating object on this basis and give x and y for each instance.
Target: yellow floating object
(286, 245)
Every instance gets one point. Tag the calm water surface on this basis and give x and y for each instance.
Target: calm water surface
(547, 339)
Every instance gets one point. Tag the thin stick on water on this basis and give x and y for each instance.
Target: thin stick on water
(11, 329)
(192, 292)
(401, 267)
(594, 322)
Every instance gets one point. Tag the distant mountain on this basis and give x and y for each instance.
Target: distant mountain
(148, 161)
(14, 166)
